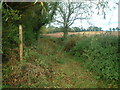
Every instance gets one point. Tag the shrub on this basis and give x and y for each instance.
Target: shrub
(81, 46)
(99, 54)
(70, 42)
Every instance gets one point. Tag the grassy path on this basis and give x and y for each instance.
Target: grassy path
(72, 75)
(60, 70)
(68, 73)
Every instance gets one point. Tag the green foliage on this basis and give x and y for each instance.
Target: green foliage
(31, 16)
(10, 32)
(70, 42)
(37, 60)
(45, 64)
(75, 29)
(52, 29)
(11, 36)
(43, 30)
(94, 28)
(99, 54)
(10, 15)
(10, 42)
(81, 46)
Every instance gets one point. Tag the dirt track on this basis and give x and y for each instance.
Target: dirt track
(60, 34)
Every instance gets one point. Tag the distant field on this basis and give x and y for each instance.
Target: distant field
(88, 33)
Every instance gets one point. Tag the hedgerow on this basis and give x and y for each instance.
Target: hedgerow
(100, 55)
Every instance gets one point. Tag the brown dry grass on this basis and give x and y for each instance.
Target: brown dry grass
(88, 33)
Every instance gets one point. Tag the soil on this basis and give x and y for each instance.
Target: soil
(88, 33)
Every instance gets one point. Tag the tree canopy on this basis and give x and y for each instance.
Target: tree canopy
(30, 15)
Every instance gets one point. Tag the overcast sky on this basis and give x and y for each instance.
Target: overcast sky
(111, 20)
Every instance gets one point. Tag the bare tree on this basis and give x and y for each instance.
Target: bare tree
(68, 12)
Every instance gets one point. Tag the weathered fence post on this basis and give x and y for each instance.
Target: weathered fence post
(21, 42)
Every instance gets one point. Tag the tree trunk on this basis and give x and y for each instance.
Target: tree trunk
(65, 32)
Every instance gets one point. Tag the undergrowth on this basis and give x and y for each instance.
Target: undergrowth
(35, 69)
(98, 54)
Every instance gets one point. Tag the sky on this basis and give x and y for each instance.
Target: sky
(111, 20)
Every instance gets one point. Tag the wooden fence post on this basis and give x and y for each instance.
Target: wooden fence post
(21, 42)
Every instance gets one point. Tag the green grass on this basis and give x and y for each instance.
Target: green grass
(57, 63)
